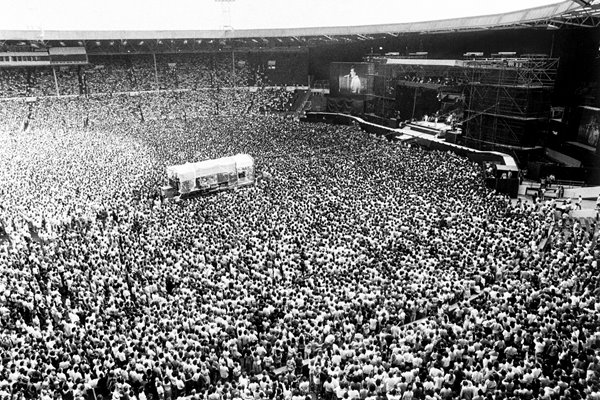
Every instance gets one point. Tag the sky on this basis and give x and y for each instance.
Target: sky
(101, 15)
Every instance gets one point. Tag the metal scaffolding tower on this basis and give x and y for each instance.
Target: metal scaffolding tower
(508, 100)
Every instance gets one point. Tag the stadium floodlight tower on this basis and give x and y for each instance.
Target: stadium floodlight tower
(226, 13)
(228, 28)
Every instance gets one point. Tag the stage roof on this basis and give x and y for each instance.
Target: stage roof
(245, 22)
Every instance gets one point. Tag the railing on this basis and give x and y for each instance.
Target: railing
(144, 92)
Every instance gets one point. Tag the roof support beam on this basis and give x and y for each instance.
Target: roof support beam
(554, 21)
(582, 3)
(583, 13)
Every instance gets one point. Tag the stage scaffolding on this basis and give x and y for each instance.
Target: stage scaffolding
(507, 97)
(508, 101)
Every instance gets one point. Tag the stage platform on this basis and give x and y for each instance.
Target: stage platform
(433, 128)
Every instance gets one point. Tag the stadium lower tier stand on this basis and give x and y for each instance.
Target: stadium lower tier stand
(361, 269)
(134, 73)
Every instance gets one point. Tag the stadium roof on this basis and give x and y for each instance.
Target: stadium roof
(45, 28)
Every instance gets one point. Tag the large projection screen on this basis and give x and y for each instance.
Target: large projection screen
(351, 79)
(589, 127)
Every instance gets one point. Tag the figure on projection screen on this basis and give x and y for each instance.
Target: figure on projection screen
(593, 131)
(354, 81)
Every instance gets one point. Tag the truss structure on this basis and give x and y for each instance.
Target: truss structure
(508, 100)
(580, 13)
(525, 71)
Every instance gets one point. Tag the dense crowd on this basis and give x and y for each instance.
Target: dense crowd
(110, 74)
(13, 83)
(60, 114)
(360, 269)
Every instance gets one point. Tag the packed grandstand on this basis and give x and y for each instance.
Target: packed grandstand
(359, 269)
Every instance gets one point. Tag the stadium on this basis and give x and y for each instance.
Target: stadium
(313, 200)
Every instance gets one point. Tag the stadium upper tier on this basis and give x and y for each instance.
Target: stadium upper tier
(552, 16)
